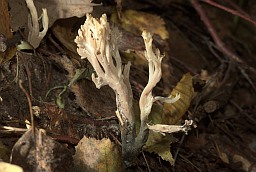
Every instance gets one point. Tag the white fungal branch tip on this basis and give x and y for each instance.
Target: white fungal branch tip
(99, 44)
(35, 36)
(161, 128)
(155, 74)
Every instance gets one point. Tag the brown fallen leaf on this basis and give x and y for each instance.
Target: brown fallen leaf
(5, 27)
(136, 22)
(65, 31)
(38, 152)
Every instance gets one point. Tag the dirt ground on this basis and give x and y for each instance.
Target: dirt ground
(223, 106)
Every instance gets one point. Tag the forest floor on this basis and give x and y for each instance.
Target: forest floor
(223, 105)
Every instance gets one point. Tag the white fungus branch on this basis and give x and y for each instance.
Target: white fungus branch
(161, 128)
(99, 45)
(35, 36)
(155, 74)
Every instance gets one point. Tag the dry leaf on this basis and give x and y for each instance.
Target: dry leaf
(97, 155)
(132, 24)
(157, 143)
(40, 153)
(230, 153)
(6, 167)
(66, 31)
(174, 112)
(5, 19)
(136, 22)
(8, 54)
(56, 9)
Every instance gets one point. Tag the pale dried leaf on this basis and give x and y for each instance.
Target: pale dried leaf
(7, 167)
(97, 155)
(57, 9)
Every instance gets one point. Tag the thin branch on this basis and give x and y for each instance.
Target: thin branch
(235, 6)
(29, 104)
(220, 45)
(234, 12)
(213, 32)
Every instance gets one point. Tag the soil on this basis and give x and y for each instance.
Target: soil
(223, 106)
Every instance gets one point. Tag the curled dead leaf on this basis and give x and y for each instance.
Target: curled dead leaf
(174, 112)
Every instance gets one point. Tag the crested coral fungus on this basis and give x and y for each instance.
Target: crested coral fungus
(99, 45)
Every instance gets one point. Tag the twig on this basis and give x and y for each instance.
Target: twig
(178, 149)
(189, 162)
(220, 45)
(247, 77)
(12, 129)
(237, 8)
(242, 111)
(28, 74)
(56, 44)
(213, 32)
(65, 139)
(30, 105)
(116, 140)
(234, 12)
(146, 161)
